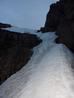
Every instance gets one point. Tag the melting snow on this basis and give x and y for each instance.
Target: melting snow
(47, 75)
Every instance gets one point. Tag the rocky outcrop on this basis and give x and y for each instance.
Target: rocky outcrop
(60, 19)
(3, 25)
(15, 51)
(65, 34)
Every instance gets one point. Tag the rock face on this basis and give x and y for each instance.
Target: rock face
(60, 19)
(15, 51)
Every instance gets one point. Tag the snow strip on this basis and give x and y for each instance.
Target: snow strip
(47, 75)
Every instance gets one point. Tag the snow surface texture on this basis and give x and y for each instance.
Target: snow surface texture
(47, 75)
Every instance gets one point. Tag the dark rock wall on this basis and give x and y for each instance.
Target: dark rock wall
(15, 51)
(60, 19)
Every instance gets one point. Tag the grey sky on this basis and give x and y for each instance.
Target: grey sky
(24, 13)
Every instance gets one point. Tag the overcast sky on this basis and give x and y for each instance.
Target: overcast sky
(24, 13)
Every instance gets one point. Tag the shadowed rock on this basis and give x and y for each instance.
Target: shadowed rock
(15, 51)
(60, 19)
(3, 25)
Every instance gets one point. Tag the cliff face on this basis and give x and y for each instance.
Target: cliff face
(15, 50)
(60, 19)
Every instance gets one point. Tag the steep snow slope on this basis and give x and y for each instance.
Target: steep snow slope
(47, 75)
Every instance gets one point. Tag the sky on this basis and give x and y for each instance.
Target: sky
(24, 13)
